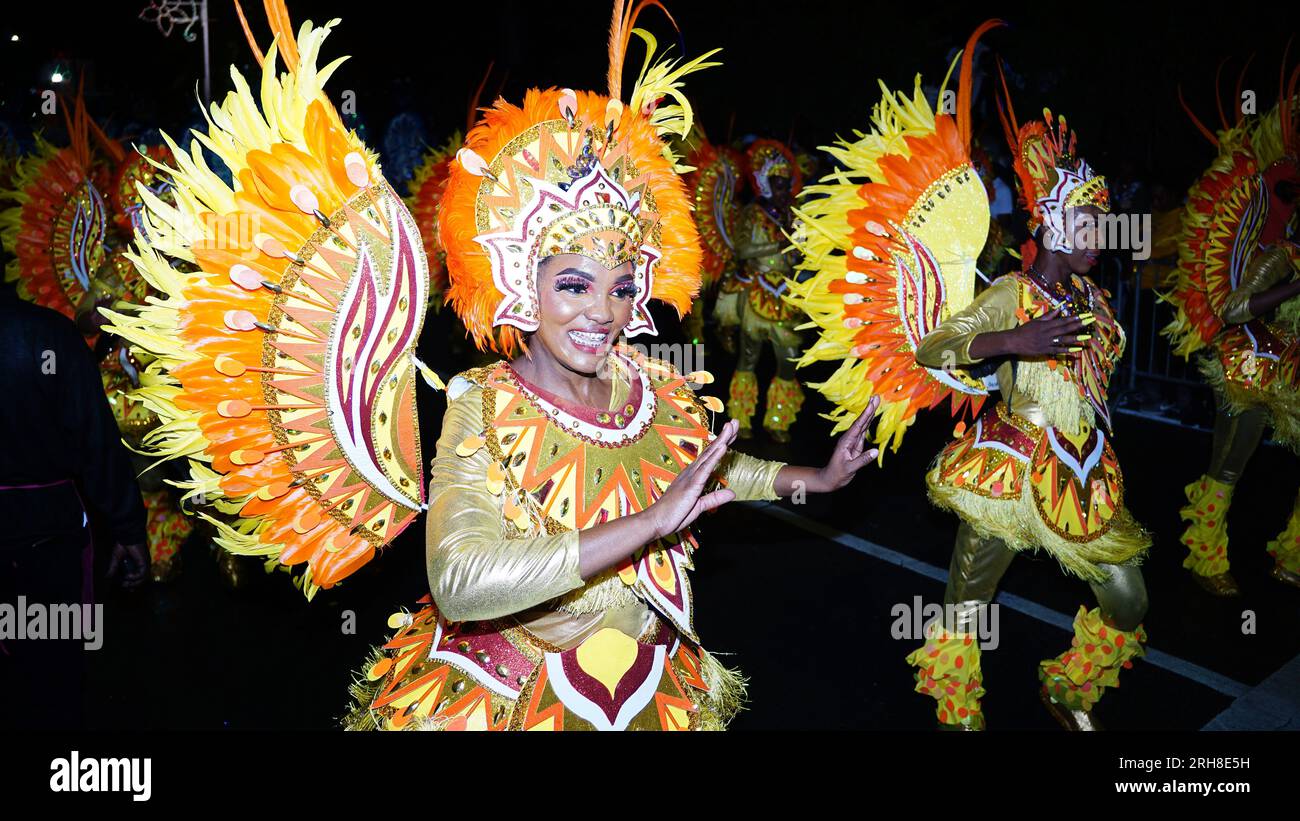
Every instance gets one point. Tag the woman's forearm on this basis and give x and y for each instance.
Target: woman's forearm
(609, 544)
(794, 477)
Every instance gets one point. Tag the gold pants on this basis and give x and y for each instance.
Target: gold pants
(1105, 641)
(756, 333)
(978, 566)
(1236, 436)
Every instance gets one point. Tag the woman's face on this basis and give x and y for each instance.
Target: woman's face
(584, 309)
(1081, 221)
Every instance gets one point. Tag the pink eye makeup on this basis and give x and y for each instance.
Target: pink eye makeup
(572, 284)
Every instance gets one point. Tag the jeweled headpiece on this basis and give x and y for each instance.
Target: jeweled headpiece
(572, 173)
(1052, 177)
(772, 158)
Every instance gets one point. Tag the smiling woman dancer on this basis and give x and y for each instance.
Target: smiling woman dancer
(567, 477)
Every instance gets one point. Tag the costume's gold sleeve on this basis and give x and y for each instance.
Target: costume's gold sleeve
(1267, 269)
(752, 241)
(474, 571)
(993, 310)
(750, 478)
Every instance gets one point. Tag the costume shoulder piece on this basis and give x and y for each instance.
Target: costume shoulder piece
(716, 184)
(1224, 219)
(284, 341)
(56, 226)
(892, 240)
(424, 195)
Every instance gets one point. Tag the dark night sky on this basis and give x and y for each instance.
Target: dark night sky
(808, 66)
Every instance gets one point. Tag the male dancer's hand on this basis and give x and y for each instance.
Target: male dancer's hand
(1050, 335)
(132, 561)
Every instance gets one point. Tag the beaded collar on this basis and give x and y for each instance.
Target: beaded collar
(607, 427)
(1069, 304)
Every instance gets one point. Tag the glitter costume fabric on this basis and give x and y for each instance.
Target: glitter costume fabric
(512, 637)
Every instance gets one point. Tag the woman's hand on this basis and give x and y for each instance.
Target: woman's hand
(850, 454)
(1051, 335)
(685, 499)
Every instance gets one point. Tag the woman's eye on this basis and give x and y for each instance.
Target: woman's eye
(625, 292)
(573, 286)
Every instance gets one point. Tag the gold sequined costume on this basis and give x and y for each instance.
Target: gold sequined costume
(893, 243)
(1233, 247)
(765, 317)
(513, 638)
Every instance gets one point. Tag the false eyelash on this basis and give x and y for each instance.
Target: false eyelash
(566, 283)
(626, 291)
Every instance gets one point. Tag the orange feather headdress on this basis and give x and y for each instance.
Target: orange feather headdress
(773, 158)
(56, 222)
(1050, 174)
(573, 172)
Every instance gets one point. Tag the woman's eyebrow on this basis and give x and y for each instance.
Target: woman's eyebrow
(577, 272)
(625, 278)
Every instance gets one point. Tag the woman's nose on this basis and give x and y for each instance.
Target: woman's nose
(599, 309)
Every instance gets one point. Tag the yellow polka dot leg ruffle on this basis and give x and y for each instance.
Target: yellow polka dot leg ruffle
(1285, 549)
(1206, 536)
(784, 399)
(1078, 677)
(948, 670)
(743, 397)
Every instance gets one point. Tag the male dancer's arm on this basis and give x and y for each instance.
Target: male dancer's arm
(1262, 288)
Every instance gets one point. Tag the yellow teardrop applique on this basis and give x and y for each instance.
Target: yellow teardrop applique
(628, 574)
(607, 656)
(496, 478)
(470, 446)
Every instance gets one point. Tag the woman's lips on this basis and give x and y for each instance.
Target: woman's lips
(589, 341)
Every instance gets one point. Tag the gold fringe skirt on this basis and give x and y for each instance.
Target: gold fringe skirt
(1040, 489)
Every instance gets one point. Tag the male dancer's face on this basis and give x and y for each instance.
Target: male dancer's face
(1081, 222)
(780, 187)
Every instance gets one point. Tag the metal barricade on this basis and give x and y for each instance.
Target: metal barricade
(1151, 381)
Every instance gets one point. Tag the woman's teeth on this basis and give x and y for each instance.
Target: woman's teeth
(586, 339)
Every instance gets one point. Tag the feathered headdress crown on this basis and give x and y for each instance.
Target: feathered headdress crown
(772, 158)
(573, 172)
(1050, 174)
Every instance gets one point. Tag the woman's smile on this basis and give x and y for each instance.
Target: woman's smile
(591, 341)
